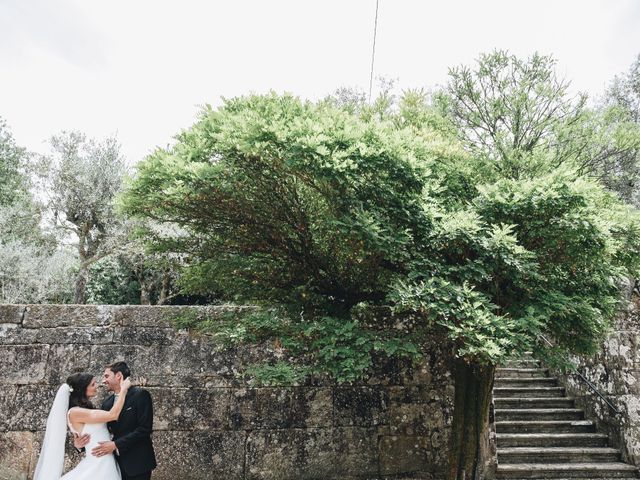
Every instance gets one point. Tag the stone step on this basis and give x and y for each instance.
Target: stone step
(566, 471)
(545, 426)
(551, 440)
(558, 455)
(533, 402)
(504, 382)
(521, 372)
(521, 364)
(528, 392)
(539, 414)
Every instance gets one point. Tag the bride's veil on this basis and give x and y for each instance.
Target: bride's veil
(51, 461)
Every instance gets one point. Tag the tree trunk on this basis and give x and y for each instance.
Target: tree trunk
(164, 288)
(470, 451)
(80, 293)
(145, 293)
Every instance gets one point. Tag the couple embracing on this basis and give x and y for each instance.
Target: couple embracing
(116, 438)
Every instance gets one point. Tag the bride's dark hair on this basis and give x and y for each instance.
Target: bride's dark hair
(79, 383)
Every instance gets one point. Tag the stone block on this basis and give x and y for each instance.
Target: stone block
(7, 406)
(317, 406)
(632, 445)
(281, 407)
(23, 364)
(29, 408)
(186, 362)
(12, 313)
(294, 454)
(47, 316)
(200, 357)
(199, 455)
(142, 315)
(13, 333)
(144, 361)
(356, 451)
(164, 316)
(18, 454)
(414, 411)
(360, 406)
(75, 335)
(389, 371)
(67, 359)
(401, 455)
(190, 408)
(147, 336)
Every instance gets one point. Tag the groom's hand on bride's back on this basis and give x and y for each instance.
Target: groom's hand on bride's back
(104, 448)
(81, 441)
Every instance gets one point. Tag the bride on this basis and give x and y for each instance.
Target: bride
(73, 408)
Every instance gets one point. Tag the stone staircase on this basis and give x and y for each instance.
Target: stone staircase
(540, 433)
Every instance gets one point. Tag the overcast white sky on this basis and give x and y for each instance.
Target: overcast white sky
(141, 68)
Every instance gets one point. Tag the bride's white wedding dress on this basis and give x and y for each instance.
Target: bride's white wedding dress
(92, 467)
(51, 459)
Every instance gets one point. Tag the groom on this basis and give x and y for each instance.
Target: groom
(132, 431)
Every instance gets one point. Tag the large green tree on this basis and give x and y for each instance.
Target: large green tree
(331, 212)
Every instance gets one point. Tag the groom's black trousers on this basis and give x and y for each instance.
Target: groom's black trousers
(144, 476)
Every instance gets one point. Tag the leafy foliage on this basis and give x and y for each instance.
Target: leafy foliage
(30, 273)
(32, 267)
(328, 211)
(312, 346)
(277, 374)
(111, 282)
(13, 181)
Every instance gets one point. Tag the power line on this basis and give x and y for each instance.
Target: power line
(373, 53)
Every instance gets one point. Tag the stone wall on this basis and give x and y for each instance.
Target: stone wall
(615, 372)
(209, 423)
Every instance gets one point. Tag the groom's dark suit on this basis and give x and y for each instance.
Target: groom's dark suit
(132, 434)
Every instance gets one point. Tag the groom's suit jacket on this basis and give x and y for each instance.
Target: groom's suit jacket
(132, 432)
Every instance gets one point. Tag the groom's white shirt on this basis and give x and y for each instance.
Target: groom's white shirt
(115, 399)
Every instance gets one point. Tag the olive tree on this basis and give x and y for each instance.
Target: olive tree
(80, 180)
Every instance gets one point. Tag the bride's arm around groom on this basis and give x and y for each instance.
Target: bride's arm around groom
(79, 416)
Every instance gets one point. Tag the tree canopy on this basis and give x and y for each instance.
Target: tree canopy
(305, 204)
(332, 210)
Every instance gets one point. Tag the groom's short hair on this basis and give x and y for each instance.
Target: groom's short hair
(121, 367)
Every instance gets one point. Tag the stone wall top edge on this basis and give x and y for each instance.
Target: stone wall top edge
(120, 306)
(65, 315)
